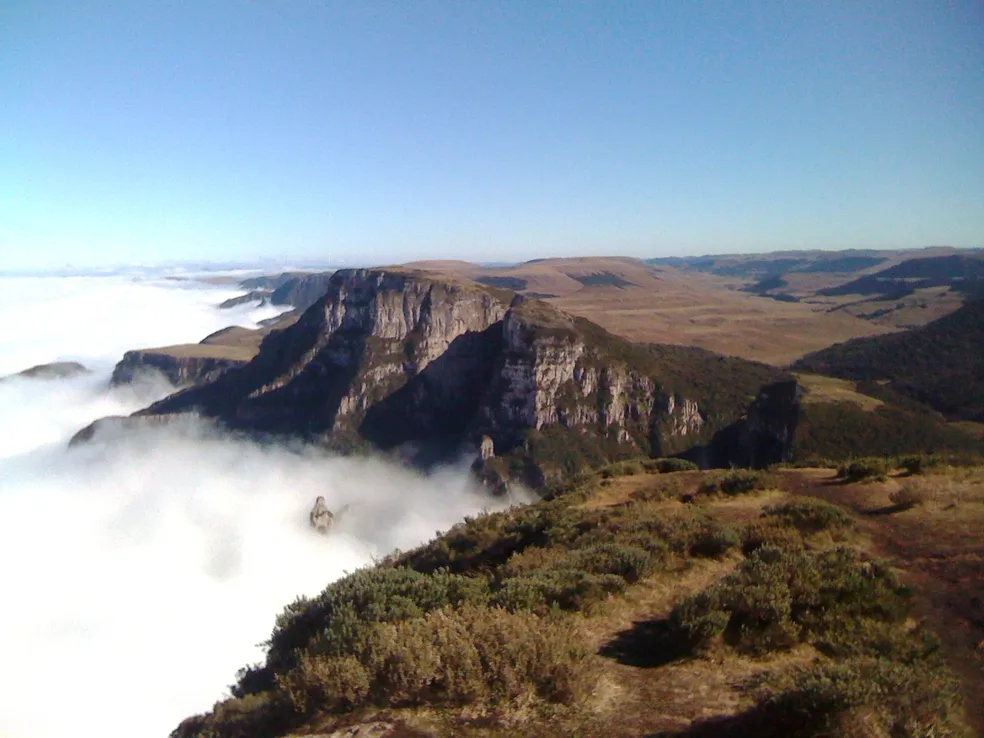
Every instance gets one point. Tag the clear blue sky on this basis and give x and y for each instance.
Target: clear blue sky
(366, 132)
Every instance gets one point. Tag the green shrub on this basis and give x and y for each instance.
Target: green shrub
(564, 589)
(714, 539)
(869, 467)
(919, 463)
(906, 700)
(465, 656)
(809, 516)
(622, 469)
(334, 621)
(739, 482)
(268, 713)
(325, 683)
(770, 532)
(669, 465)
(700, 618)
(778, 598)
(629, 562)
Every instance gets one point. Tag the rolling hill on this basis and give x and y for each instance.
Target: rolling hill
(940, 364)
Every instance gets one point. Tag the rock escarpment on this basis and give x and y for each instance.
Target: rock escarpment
(180, 367)
(402, 360)
(198, 363)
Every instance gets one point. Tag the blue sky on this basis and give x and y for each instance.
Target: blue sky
(377, 132)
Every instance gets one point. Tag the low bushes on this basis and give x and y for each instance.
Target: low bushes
(778, 598)
(906, 700)
(809, 516)
(869, 467)
(464, 656)
(622, 469)
(334, 621)
(669, 466)
(738, 482)
(919, 463)
(771, 532)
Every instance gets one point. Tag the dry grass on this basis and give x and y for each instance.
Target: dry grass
(205, 351)
(663, 305)
(827, 389)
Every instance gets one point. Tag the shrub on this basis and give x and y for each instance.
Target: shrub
(809, 516)
(770, 532)
(908, 700)
(629, 562)
(334, 621)
(739, 482)
(465, 656)
(564, 589)
(622, 469)
(928, 489)
(699, 619)
(715, 539)
(869, 467)
(919, 463)
(240, 717)
(331, 684)
(909, 495)
(669, 465)
(777, 598)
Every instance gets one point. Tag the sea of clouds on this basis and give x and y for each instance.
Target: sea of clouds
(140, 572)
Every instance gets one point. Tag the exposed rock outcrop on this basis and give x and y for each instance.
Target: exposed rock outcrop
(302, 291)
(397, 358)
(260, 296)
(198, 363)
(178, 366)
(320, 517)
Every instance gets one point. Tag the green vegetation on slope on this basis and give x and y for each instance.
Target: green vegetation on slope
(940, 364)
(497, 615)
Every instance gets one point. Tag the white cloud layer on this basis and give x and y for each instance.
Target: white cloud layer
(138, 572)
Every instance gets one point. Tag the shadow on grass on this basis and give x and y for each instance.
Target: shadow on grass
(887, 509)
(757, 722)
(647, 644)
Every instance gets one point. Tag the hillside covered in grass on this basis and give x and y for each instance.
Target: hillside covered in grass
(940, 364)
(637, 603)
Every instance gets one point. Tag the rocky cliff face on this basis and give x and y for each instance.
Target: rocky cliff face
(301, 291)
(179, 370)
(404, 360)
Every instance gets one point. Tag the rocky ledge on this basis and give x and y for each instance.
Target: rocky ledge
(198, 363)
(182, 365)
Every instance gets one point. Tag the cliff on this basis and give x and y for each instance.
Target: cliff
(197, 363)
(424, 366)
(181, 365)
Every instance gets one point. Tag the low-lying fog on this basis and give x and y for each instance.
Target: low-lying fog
(137, 575)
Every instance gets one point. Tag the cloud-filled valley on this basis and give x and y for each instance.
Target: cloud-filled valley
(139, 570)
